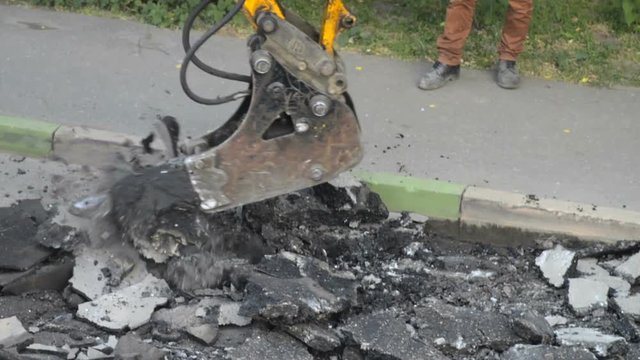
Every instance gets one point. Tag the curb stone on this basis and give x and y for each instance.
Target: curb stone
(492, 215)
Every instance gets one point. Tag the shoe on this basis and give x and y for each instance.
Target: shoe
(507, 75)
(438, 76)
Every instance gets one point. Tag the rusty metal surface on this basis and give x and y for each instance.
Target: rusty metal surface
(246, 168)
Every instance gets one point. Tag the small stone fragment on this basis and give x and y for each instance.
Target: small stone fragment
(629, 306)
(555, 320)
(539, 352)
(12, 332)
(555, 263)
(315, 336)
(130, 347)
(586, 295)
(387, 336)
(229, 315)
(206, 333)
(270, 345)
(130, 307)
(602, 345)
(532, 327)
(46, 349)
(630, 269)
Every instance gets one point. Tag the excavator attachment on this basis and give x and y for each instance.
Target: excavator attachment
(295, 127)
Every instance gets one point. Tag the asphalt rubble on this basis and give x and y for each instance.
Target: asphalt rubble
(138, 272)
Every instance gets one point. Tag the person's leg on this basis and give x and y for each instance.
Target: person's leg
(514, 33)
(450, 44)
(457, 27)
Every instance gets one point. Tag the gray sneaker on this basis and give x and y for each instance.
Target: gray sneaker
(507, 75)
(438, 76)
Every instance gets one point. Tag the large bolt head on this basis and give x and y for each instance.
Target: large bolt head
(261, 61)
(320, 105)
(267, 23)
(317, 173)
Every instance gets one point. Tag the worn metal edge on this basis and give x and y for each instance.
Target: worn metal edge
(491, 213)
(26, 137)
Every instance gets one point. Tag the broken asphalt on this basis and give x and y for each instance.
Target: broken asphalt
(548, 138)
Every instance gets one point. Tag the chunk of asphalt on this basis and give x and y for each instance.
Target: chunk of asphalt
(97, 271)
(386, 335)
(205, 333)
(630, 269)
(7, 278)
(538, 352)
(629, 306)
(46, 349)
(555, 264)
(19, 248)
(586, 295)
(47, 277)
(634, 352)
(291, 289)
(12, 332)
(315, 336)
(131, 347)
(462, 329)
(130, 307)
(532, 327)
(270, 345)
(602, 345)
(348, 197)
(555, 320)
(589, 266)
(216, 310)
(620, 286)
(627, 328)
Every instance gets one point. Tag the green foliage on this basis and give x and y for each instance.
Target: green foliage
(165, 13)
(631, 11)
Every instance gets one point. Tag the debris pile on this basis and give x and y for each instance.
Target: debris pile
(324, 273)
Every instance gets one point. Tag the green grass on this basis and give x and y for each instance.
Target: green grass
(580, 41)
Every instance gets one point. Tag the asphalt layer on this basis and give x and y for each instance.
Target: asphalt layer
(547, 138)
(322, 273)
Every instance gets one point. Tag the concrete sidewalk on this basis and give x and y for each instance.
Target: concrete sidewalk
(549, 139)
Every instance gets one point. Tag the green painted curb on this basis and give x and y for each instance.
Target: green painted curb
(432, 198)
(25, 136)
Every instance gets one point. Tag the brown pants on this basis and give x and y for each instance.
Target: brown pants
(458, 26)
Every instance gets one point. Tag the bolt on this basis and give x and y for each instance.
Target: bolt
(320, 105)
(317, 173)
(302, 126)
(327, 68)
(267, 23)
(302, 66)
(276, 89)
(262, 61)
(199, 165)
(209, 205)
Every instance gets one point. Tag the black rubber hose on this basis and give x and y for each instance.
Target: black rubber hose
(186, 44)
(191, 53)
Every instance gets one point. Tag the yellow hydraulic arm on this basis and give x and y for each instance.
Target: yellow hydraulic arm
(336, 18)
